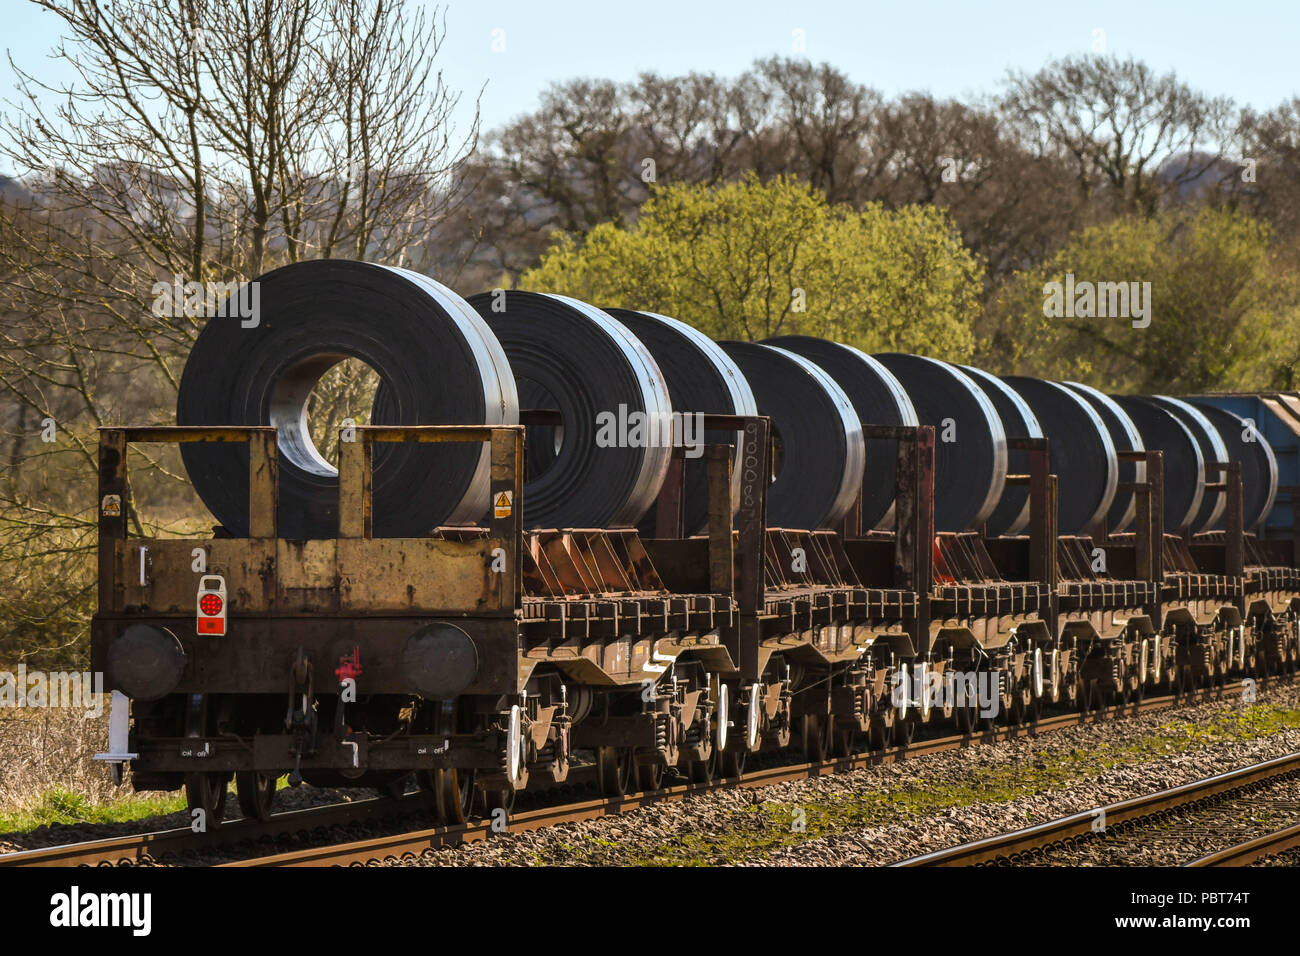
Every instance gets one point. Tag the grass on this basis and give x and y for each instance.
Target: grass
(47, 774)
(63, 806)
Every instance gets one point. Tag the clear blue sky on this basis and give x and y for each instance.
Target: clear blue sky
(1242, 50)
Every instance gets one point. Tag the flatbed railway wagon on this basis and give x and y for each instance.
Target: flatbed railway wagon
(821, 568)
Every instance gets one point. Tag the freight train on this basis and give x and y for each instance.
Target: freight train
(573, 535)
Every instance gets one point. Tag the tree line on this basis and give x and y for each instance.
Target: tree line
(209, 143)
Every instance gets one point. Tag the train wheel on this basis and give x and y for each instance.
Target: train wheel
(207, 792)
(903, 732)
(453, 791)
(614, 770)
(705, 771)
(967, 718)
(650, 777)
(500, 799)
(816, 742)
(256, 792)
(841, 743)
(732, 761)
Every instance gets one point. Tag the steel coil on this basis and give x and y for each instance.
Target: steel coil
(1184, 465)
(1213, 503)
(701, 378)
(1247, 445)
(1082, 453)
(820, 452)
(1011, 516)
(970, 468)
(437, 361)
(604, 465)
(1125, 437)
(879, 399)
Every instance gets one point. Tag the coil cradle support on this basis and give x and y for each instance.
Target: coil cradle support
(1127, 440)
(970, 467)
(438, 364)
(1245, 445)
(603, 464)
(1012, 514)
(879, 399)
(701, 379)
(1183, 465)
(1082, 453)
(816, 436)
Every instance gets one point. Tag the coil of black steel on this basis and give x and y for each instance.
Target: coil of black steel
(701, 378)
(1082, 453)
(1259, 480)
(820, 453)
(1213, 450)
(1011, 516)
(603, 466)
(438, 363)
(970, 466)
(1125, 437)
(1184, 465)
(879, 399)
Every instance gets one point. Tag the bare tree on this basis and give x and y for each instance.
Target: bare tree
(202, 142)
(1116, 122)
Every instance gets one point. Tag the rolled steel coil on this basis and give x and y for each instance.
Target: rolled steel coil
(820, 451)
(1213, 450)
(1082, 453)
(701, 378)
(1125, 437)
(1184, 464)
(437, 361)
(970, 445)
(1011, 516)
(879, 399)
(1247, 445)
(605, 464)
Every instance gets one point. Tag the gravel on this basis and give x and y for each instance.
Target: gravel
(889, 812)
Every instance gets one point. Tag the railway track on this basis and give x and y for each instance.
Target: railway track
(1249, 851)
(244, 836)
(1138, 826)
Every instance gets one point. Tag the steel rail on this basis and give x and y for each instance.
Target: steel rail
(1243, 854)
(1013, 843)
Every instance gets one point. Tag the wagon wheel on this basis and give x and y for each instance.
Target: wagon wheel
(650, 777)
(904, 730)
(816, 733)
(842, 742)
(207, 792)
(731, 763)
(453, 792)
(256, 792)
(705, 771)
(881, 733)
(615, 768)
(500, 798)
(967, 719)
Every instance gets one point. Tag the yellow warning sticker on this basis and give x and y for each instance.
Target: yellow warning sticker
(503, 504)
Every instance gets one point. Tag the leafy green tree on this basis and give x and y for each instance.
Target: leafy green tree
(1223, 308)
(752, 259)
